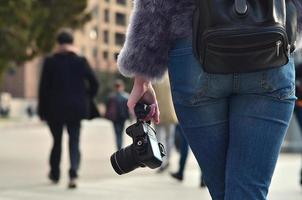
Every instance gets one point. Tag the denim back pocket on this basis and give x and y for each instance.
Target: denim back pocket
(188, 80)
(280, 82)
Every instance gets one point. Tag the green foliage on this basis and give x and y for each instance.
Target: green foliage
(28, 27)
(106, 80)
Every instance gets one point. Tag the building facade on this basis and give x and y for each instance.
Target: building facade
(102, 38)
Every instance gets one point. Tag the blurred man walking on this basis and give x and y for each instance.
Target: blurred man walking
(117, 111)
(66, 88)
(298, 107)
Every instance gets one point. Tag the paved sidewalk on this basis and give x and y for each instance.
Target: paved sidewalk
(23, 168)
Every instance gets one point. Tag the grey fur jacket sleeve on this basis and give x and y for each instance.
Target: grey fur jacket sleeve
(154, 25)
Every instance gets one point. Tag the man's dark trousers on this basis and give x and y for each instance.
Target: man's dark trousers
(118, 129)
(73, 129)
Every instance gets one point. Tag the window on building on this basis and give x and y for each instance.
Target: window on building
(121, 2)
(95, 52)
(119, 39)
(105, 55)
(106, 15)
(106, 37)
(120, 19)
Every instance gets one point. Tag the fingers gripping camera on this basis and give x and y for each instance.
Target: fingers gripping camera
(145, 151)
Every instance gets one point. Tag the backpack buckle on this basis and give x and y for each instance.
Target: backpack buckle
(241, 7)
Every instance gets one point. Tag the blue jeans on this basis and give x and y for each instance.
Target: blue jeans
(118, 130)
(183, 150)
(234, 123)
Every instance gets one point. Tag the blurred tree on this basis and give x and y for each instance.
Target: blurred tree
(28, 27)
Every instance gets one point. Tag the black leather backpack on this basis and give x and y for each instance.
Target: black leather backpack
(239, 36)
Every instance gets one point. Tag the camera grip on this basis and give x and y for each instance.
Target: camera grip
(144, 112)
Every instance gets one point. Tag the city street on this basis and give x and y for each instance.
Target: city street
(24, 149)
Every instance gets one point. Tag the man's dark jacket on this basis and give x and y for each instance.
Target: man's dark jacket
(67, 87)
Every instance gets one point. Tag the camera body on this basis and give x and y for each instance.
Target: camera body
(145, 151)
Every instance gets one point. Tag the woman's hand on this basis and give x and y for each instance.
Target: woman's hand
(143, 91)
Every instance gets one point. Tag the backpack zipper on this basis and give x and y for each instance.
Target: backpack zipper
(278, 45)
(249, 32)
(241, 49)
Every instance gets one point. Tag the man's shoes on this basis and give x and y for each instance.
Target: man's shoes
(72, 183)
(177, 176)
(202, 184)
(53, 179)
(162, 168)
(301, 177)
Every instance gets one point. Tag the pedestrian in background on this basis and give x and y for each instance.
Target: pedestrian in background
(117, 111)
(166, 128)
(235, 116)
(298, 107)
(5, 104)
(183, 148)
(67, 86)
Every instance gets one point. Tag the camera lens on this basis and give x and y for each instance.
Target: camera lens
(123, 161)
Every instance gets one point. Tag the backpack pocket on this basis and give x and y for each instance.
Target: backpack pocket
(243, 51)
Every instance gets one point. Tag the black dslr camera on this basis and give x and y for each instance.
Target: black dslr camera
(145, 149)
